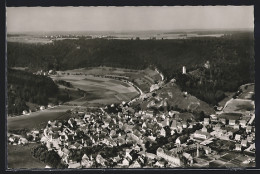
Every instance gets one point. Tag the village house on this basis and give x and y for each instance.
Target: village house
(42, 107)
(188, 157)
(204, 129)
(178, 142)
(22, 141)
(159, 164)
(232, 122)
(168, 156)
(25, 112)
(74, 165)
(248, 129)
(236, 126)
(218, 126)
(237, 137)
(174, 125)
(163, 132)
(244, 143)
(206, 121)
(238, 147)
(201, 135)
(250, 139)
(135, 164)
(242, 123)
(223, 120)
(213, 117)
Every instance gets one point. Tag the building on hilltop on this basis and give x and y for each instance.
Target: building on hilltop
(207, 65)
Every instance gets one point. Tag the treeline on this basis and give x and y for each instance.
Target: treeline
(167, 55)
(231, 57)
(26, 87)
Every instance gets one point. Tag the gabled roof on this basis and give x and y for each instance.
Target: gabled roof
(202, 133)
(249, 127)
(244, 142)
(237, 136)
(174, 123)
(137, 133)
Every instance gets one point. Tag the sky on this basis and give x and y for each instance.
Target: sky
(26, 19)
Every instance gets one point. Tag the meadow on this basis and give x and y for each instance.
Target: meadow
(239, 106)
(102, 86)
(19, 157)
(142, 78)
(37, 119)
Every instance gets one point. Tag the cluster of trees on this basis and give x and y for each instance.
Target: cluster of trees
(49, 157)
(26, 87)
(231, 58)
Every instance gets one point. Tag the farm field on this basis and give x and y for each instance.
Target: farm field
(239, 106)
(19, 157)
(98, 90)
(142, 78)
(37, 119)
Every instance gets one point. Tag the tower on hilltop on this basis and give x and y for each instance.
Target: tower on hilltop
(183, 70)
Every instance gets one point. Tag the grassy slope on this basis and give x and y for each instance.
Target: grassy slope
(179, 99)
(37, 119)
(20, 157)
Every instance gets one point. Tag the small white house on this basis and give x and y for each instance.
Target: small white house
(244, 143)
(237, 137)
(42, 107)
(232, 122)
(162, 132)
(248, 129)
(178, 142)
(25, 112)
(23, 141)
(238, 147)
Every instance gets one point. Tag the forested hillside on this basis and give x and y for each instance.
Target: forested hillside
(231, 58)
(26, 87)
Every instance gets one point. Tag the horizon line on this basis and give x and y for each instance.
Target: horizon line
(155, 30)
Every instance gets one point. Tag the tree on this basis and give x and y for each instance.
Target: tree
(30, 137)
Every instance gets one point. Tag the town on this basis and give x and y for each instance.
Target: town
(117, 136)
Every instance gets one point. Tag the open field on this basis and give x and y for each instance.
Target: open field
(239, 105)
(248, 91)
(37, 119)
(142, 78)
(232, 159)
(98, 89)
(19, 157)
